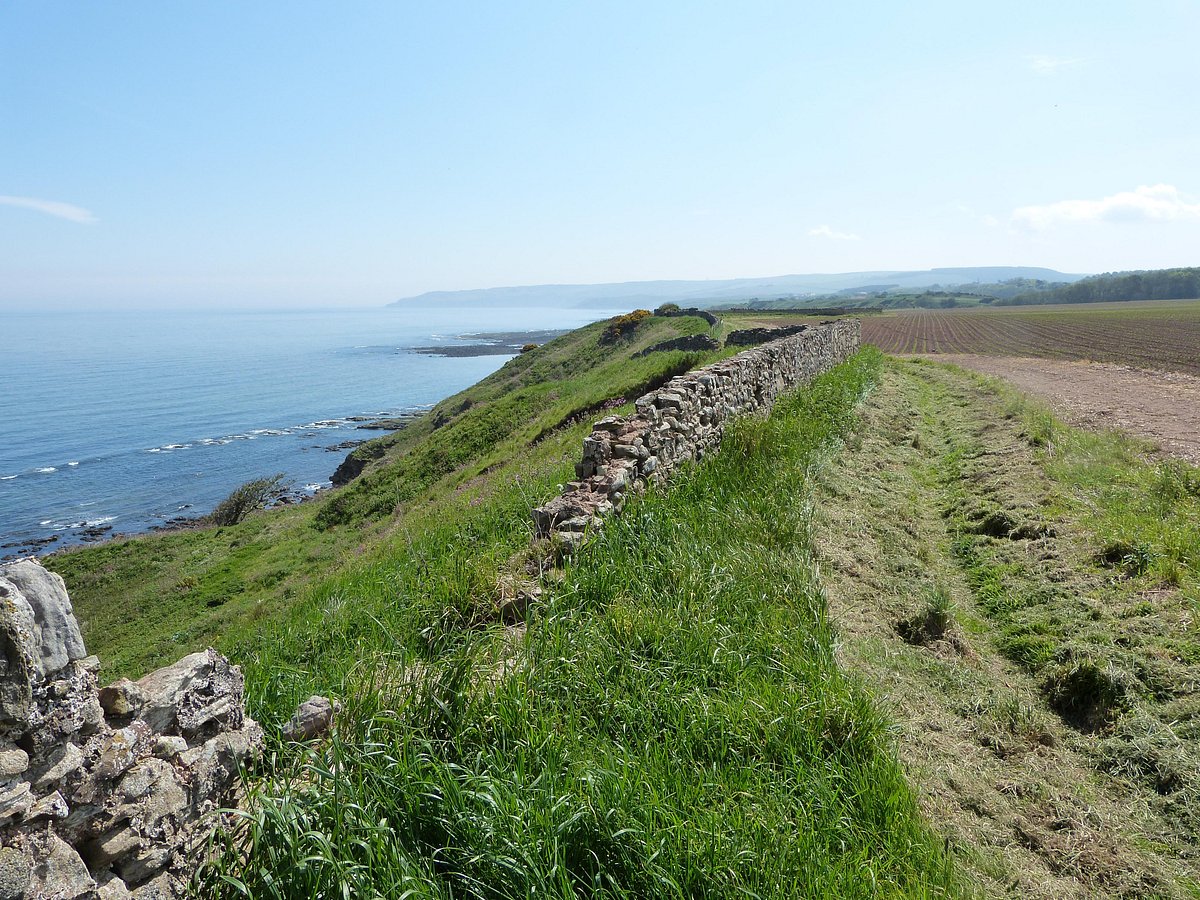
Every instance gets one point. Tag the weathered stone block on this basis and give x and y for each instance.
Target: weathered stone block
(196, 697)
(54, 637)
(58, 871)
(313, 718)
(13, 761)
(122, 698)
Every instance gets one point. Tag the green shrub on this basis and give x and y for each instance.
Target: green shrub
(244, 500)
(623, 326)
(667, 308)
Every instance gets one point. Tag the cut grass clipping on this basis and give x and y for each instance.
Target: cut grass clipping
(671, 724)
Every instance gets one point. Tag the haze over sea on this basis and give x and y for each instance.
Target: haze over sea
(129, 419)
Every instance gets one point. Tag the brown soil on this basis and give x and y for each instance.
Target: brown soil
(1162, 407)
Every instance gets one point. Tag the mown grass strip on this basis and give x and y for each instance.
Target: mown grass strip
(672, 725)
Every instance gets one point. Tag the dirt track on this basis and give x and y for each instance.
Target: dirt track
(1163, 407)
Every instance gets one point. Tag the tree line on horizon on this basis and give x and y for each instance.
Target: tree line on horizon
(1157, 284)
(1181, 283)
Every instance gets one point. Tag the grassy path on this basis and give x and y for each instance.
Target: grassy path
(1023, 596)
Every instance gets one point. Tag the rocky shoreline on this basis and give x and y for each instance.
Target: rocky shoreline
(500, 343)
(490, 343)
(86, 534)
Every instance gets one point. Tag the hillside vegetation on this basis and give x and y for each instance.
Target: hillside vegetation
(906, 636)
(143, 602)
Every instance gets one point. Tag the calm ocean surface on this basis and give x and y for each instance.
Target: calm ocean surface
(128, 419)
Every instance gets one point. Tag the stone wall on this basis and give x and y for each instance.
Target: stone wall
(691, 343)
(684, 421)
(751, 336)
(105, 793)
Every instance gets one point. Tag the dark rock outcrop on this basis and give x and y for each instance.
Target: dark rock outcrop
(356, 463)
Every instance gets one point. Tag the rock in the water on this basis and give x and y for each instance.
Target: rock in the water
(313, 717)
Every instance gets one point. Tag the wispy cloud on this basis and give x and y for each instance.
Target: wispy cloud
(826, 232)
(1152, 203)
(68, 211)
(1052, 65)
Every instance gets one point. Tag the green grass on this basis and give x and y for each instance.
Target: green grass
(669, 720)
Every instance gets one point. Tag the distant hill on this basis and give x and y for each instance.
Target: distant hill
(713, 293)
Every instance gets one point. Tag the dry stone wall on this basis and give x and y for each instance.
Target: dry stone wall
(105, 793)
(684, 421)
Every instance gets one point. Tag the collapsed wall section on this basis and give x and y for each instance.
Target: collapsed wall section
(685, 420)
(105, 793)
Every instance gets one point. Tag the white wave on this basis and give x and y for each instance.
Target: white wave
(46, 522)
(8, 477)
(83, 523)
(73, 464)
(47, 469)
(286, 431)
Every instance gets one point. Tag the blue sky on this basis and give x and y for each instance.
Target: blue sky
(303, 153)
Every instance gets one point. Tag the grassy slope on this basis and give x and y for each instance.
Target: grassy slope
(1024, 595)
(143, 602)
(667, 721)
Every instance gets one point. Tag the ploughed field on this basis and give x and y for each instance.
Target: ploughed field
(1147, 334)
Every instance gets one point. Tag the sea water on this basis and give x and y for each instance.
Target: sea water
(126, 420)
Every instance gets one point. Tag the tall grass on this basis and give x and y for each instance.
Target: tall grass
(670, 724)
